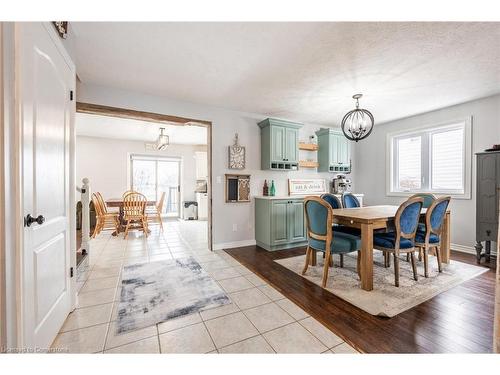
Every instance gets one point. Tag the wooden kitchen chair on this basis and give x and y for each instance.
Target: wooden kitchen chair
(104, 220)
(134, 212)
(154, 214)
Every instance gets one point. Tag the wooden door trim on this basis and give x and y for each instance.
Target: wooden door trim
(131, 114)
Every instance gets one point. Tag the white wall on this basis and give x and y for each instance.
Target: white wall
(225, 124)
(106, 163)
(370, 162)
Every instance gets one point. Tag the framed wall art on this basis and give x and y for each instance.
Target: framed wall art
(236, 155)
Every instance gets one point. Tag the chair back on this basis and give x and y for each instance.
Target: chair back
(101, 201)
(349, 201)
(159, 206)
(407, 217)
(126, 193)
(332, 200)
(134, 205)
(97, 205)
(434, 216)
(319, 218)
(428, 198)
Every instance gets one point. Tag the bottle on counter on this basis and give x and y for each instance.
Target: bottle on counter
(272, 190)
(265, 190)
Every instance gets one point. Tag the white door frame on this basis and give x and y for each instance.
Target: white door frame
(13, 301)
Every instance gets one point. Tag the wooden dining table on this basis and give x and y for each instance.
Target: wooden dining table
(369, 218)
(118, 202)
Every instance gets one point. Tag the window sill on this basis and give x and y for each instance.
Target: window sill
(465, 196)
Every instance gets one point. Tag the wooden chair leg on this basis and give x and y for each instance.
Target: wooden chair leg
(330, 262)
(314, 259)
(308, 256)
(426, 262)
(326, 268)
(419, 254)
(96, 228)
(407, 257)
(438, 256)
(144, 227)
(161, 223)
(341, 260)
(396, 269)
(126, 229)
(414, 265)
(358, 264)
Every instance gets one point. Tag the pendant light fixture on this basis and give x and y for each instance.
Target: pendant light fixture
(358, 123)
(163, 140)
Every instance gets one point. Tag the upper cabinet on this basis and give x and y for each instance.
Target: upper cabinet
(333, 152)
(279, 144)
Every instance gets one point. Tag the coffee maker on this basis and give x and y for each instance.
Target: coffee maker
(341, 184)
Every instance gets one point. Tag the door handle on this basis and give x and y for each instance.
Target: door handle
(28, 220)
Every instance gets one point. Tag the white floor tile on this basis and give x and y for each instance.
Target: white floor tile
(229, 329)
(85, 340)
(294, 338)
(190, 339)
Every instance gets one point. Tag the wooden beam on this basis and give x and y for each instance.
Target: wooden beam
(97, 109)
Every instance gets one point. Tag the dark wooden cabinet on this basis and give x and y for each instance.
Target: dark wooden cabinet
(487, 196)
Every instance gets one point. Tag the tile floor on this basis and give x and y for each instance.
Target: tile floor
(260, 319)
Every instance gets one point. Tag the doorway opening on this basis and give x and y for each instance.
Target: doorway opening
(118, 150)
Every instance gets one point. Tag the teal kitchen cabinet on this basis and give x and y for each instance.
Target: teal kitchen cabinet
(333, 151)
(279, 144)
(279, 223)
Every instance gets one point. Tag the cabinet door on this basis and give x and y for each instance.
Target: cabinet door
(279, 222)
(278, 137)
(292, 145)
(343, 150)
(296, 222)
(334, 149)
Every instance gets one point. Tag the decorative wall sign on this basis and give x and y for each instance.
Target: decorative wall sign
(61, 28)
(237, 188)
(236, 155)
(306, 186)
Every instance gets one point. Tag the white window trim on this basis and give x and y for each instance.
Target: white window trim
(467, 194)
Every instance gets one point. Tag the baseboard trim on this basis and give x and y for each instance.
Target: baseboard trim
(463, 249)
(232, 245)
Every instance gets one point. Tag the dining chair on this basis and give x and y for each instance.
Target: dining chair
(127, 192)
(402, 240)
(104, 205)
(322, 238)
(154, 214)
(134, 215)
(428, 199)
(430, 237)
(335, 203)
(349, 200)
(104, 220)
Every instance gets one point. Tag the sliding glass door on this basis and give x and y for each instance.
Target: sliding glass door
(152, 176)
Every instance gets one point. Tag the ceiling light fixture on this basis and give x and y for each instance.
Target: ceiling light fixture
(163, 140)
(358, 123)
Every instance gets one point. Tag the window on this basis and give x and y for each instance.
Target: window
(434, 159)
(152, 176)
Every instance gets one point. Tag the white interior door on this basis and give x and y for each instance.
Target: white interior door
(44, 83)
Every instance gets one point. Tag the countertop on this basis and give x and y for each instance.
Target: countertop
(297, 196)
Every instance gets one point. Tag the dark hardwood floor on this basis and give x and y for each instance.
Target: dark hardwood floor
(459, 320)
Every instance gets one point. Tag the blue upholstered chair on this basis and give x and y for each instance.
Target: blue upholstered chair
(430, 236)
(335, 203)
(428, 199)
(349, 200)
(319, 218)
(402, 240)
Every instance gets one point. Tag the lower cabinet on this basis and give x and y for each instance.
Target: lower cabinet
(279, 223)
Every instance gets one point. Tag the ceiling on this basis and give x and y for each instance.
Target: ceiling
(134, 130)
(299, 71)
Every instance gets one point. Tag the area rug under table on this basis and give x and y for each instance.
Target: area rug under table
(385, 299)
(155, 292)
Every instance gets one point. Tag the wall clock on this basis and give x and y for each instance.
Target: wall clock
(236, 155)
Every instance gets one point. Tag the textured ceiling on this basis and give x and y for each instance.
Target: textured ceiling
(134, 130)
(300, 71)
